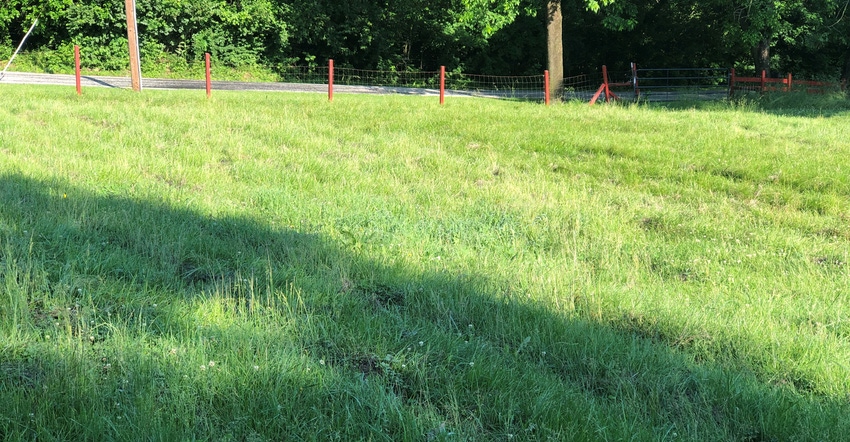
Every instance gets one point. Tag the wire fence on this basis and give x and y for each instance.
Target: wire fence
(530, 87)
(523, 87)
(645, 84)
(580, 87)
(408, 79)
(689, 84)
(304, 74)
(634, 84)
(676, 84)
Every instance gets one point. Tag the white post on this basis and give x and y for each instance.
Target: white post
(3, 74)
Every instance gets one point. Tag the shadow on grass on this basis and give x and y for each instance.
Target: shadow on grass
(132, 319)
(783, 104)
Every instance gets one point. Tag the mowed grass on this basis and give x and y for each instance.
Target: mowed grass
(277, 267)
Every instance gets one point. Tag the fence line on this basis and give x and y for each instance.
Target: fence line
(650, 84)
(672, 84)
(764, 84)
(669, 84)
(492, 86)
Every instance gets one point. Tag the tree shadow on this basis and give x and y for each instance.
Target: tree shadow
(800, 105)
(138, 319)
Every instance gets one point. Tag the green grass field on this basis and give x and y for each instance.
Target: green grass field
(277, 267)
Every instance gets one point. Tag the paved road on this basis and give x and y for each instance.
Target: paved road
(156, 83)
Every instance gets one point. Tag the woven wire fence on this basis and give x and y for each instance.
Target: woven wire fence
(401, 79)
(523, 87)
(581, 87)
(656, 84)
(675, 84)
(529, 87)
(304, 74)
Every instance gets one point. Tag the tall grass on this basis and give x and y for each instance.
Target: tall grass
(273, 266)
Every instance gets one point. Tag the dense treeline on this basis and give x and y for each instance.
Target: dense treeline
(806, 37)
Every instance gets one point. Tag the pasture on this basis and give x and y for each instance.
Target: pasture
(277, 267)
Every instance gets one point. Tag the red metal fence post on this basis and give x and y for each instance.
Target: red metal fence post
(208, 74)
(442, 85)
(605, 83)
(77, 70)
(546, 86)
(331, 80)
(763, 80)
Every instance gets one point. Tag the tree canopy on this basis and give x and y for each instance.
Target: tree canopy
(808, 37)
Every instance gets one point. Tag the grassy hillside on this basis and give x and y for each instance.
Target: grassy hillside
(277, 267)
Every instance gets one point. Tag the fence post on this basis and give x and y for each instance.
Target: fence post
(208, 74)
(331, 80)
(763, 80)
(788, 89)
(635, 80)
(546, 86)
(442, 85)
(77, 70)
(605, 83)
(731, 82)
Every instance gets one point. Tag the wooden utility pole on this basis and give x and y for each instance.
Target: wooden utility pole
(555, 39)
(133, 40)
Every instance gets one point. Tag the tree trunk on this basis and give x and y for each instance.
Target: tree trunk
(846, 74)
(761, 54)
(555, 39)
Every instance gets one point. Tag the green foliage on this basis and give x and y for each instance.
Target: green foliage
(809, 39)
(7, 14)
(240, 33)
(486, 17)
